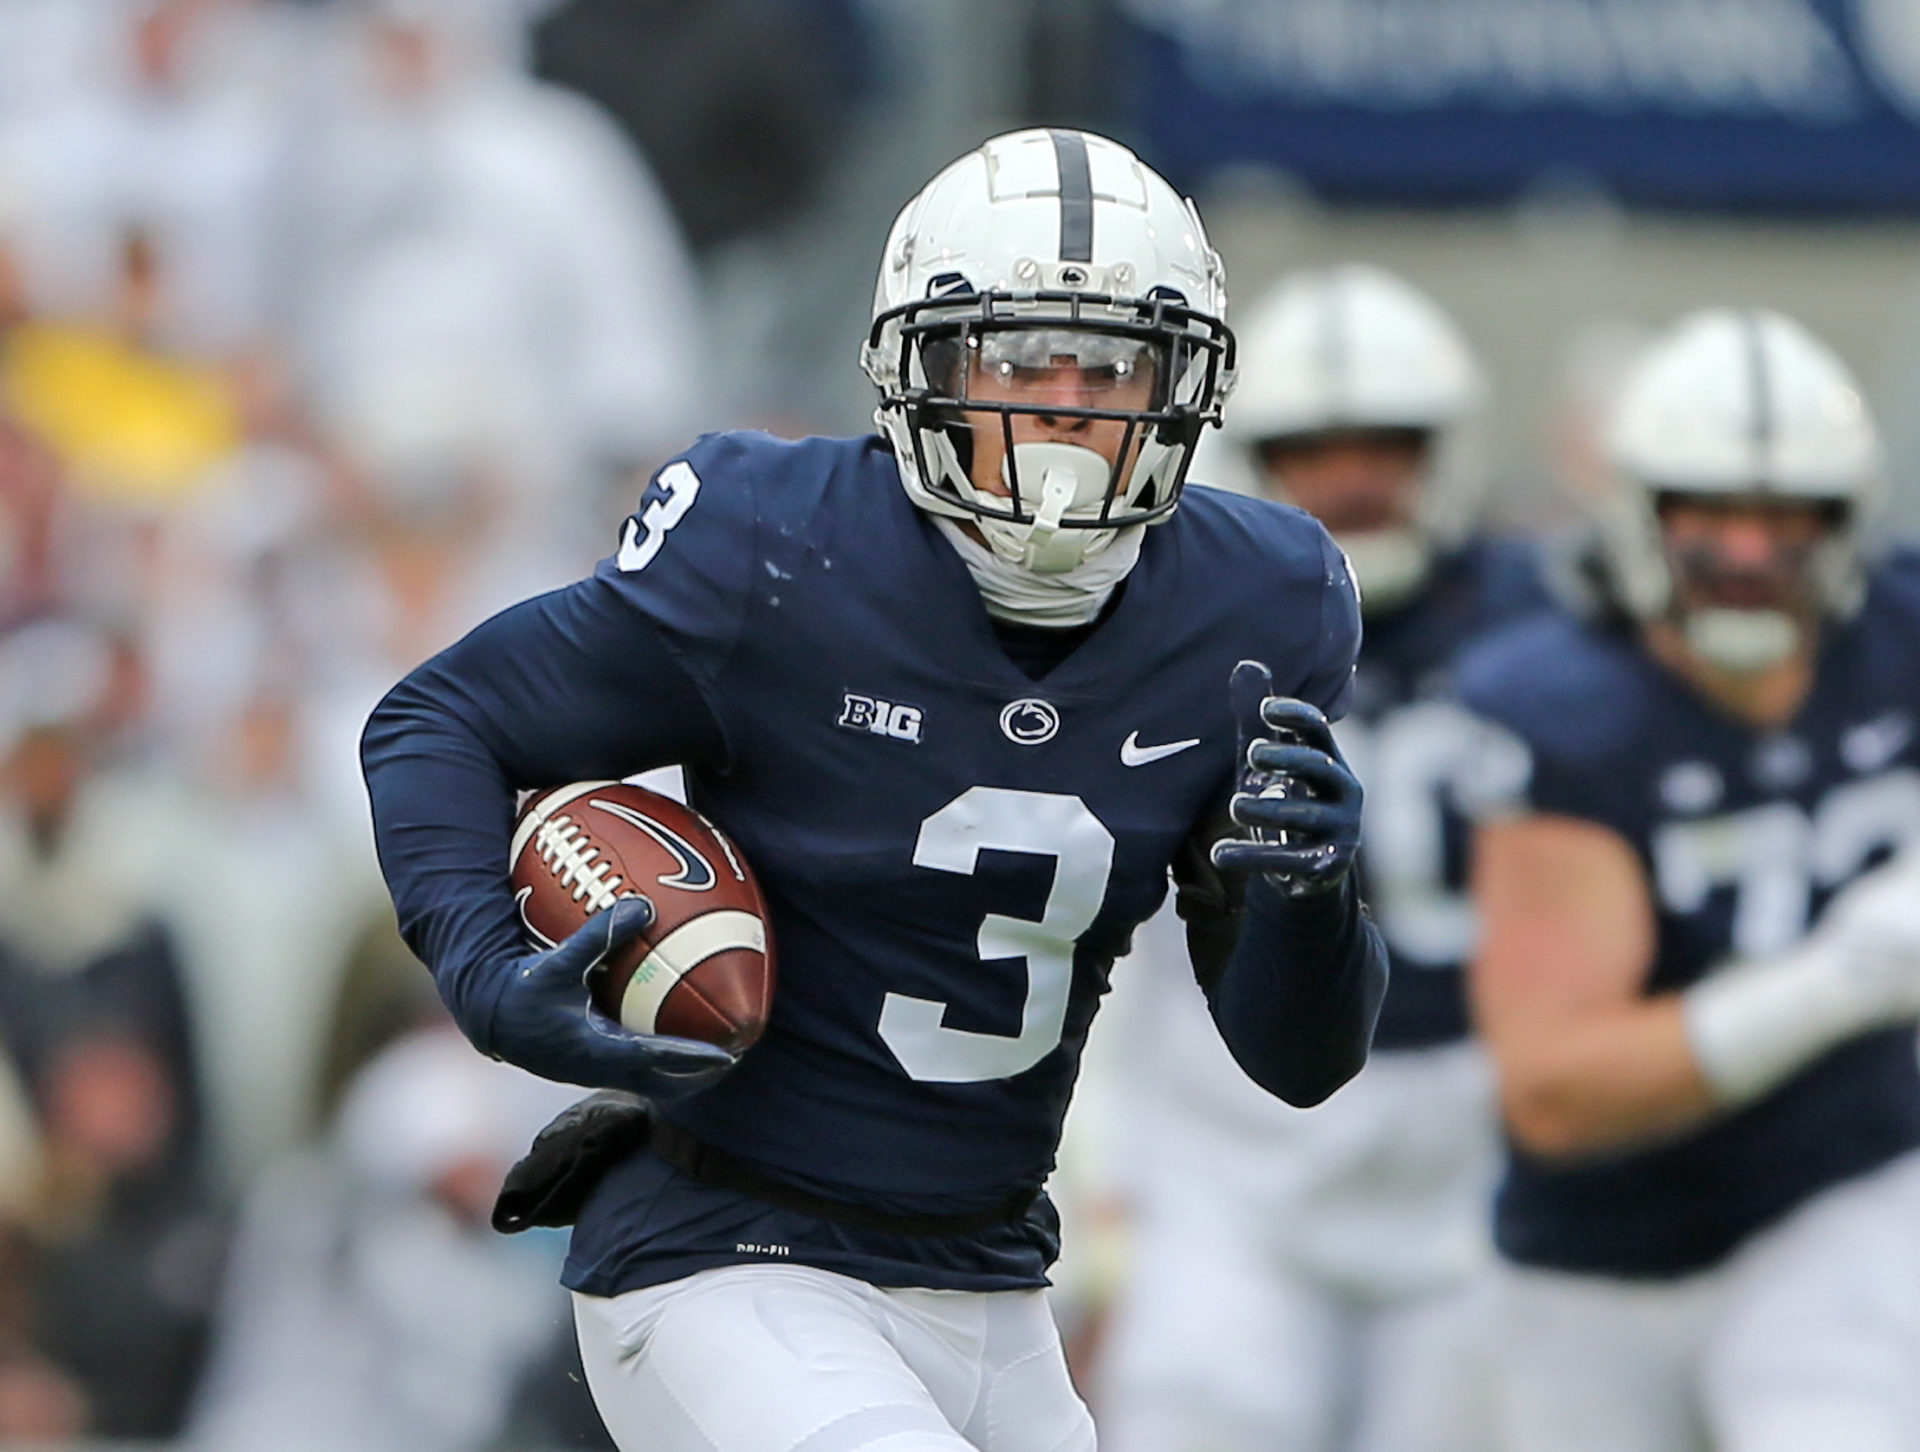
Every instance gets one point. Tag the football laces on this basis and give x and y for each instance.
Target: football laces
(569, 855)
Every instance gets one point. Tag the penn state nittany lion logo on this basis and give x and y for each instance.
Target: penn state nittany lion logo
(1030, 721)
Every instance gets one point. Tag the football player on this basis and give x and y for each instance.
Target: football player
(962, 729)
(1313, 1281)
(1700, 956)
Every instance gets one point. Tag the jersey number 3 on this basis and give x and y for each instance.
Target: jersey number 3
(951, 840)
(665, 504)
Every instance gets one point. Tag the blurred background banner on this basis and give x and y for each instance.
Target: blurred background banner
(1800, 105)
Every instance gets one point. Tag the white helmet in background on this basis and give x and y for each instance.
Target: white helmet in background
(1356, 347)
(1743, 403)
(1045, 241)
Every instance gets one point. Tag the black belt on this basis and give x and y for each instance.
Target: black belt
(700, 1161)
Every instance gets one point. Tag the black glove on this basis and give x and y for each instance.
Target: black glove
(1295, 792)
(551, 1182)
(545, 1022)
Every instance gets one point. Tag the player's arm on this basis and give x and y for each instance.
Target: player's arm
(1296, 994)
(1754, 1024)
(1586, 1062)
(571, 685)
(1293, 969)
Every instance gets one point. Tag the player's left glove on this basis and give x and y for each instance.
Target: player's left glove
(1295, 792)
(544, 1021)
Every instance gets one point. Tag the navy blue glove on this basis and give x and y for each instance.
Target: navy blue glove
(545, 1022)
(1295, 792)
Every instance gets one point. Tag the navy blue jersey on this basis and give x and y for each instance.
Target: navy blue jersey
(1900, 570)
(1744, 835)
(1408, 742)
(952, 853)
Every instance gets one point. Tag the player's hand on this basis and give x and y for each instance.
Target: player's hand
(545, 1021)
(1295, 792)
(1872, 929)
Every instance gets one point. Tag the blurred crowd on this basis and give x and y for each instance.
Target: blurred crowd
(325, 330)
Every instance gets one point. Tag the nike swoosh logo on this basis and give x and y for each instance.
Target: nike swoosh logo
(1132, 753)
(520, 901)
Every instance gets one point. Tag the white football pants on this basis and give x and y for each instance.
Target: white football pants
(786, 1358)
(1808, 1338)
(1310, 1281)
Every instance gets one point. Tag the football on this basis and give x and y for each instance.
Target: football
(704, 970)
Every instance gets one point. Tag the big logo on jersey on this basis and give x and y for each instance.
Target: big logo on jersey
(1775, 855)
(880, 718)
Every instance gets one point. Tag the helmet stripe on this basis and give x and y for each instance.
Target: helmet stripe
(1335, 363)
(1076, 196)
(1758, 380)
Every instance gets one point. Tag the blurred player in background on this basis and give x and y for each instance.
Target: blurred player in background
(1309, 1281)
(963, 729)
(1700, 958)
(368, 1305)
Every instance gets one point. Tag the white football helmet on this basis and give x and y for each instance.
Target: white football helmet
(1356, 347)
(1739, 402)
(1040, 243)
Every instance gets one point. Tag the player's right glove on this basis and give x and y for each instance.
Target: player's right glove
(550, 1183)
(1295, 791)
(545, 1022)
(1753, 1024)
(1873, 924)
